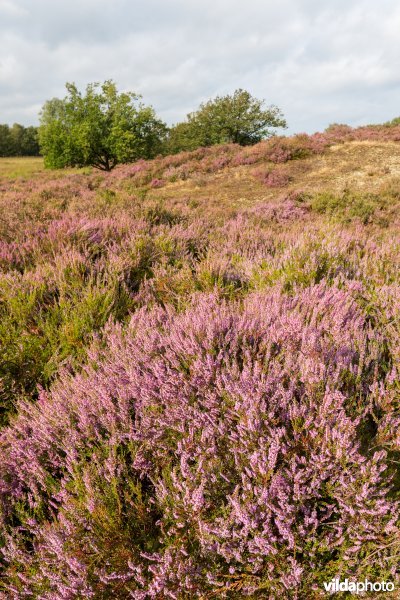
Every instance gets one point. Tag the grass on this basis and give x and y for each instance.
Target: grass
(30, 167)
(359, 166)
(21, 166)
(355, 167)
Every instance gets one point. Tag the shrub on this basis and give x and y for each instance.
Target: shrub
(198, 391)
(348, 205)
(277, 177)
(214, 451)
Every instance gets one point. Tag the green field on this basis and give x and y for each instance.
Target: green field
(30, 166)
(21, 166)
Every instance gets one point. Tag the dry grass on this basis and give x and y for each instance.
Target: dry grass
(30, 167)
(353, 166)
(359, 166)
(21, 166)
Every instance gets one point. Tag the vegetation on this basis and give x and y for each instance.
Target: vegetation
(18, 140)
(238, 118)
(393, 123)
(199, 372)
(102, 128)
(20, 166)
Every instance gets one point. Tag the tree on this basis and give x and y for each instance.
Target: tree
(18, 140)
(101, 128)
(24, 140)
(238, 118)
(181, 136)
(29, 141)
(393, 123)
(6, 141)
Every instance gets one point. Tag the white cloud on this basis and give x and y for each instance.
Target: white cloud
(8, 8)
(320, 61)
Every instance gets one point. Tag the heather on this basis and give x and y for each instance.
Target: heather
(199, 376)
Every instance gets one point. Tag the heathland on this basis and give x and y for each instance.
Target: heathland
(199, 371)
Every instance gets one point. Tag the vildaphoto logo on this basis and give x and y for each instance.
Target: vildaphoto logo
(358, 587)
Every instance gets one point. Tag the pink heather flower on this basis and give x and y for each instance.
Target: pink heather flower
(211, 433)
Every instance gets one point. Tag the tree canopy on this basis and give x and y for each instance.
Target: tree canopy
(18, 140)
(238, 118)
(101, 128)
(393, 123)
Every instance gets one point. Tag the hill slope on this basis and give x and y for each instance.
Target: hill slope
(199, 377)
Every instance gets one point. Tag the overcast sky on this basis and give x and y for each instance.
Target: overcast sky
(320, 61)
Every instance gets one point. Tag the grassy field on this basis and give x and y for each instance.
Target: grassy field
(199, 372)
(16, 167)
(24, 166)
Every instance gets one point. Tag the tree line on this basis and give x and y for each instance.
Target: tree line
(18, 140)
(103, 127)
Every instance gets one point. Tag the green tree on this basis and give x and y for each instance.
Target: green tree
(24, 140)
(18, 140)
(101, 128)
(238, 118)
(30, 142)
(181, 136)
(6, 141)
(393, 123)
(17, 135)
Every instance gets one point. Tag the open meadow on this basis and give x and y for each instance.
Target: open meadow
(20, 166)
(199, 372)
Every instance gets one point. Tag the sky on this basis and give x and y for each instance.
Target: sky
(319, 61)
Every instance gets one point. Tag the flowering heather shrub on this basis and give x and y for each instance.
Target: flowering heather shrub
(279, 150)
(157, 183)
(197, 455)
(277, 177)
(176, 173)
(233, 429)
(283, 149)
(290, 207)
(137, 167)
(215, 158)
(344, 133)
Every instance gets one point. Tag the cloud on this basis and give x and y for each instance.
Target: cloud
(319, 61)
(11, 9)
